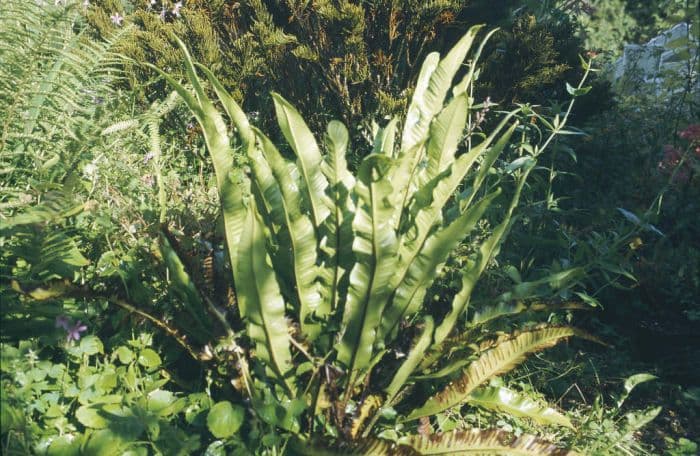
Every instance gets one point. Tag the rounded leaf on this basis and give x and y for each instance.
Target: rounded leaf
(124, 354)
(225, 419)
(91, 345)
(148, 358)
(90, 417)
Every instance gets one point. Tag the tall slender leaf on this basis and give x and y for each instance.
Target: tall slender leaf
(261, 304)
(336, 243)
(304, 145)
(302, 241)
(370, 279)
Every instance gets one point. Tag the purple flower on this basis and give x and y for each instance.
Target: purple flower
(117, 19)
(75, 330)
(62, 322)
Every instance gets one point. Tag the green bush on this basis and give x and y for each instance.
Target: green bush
(360, 60)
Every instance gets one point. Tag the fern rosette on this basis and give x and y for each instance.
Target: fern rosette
(331, 269)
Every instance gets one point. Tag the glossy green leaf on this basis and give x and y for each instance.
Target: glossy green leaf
(225, 419)
(308, 154)
(512, 403)
(336, 245)
(375, 253)
(428, 263)
(261, 303)
(91, 345)
(149, 359)
(483, 442)
(503, 357)
(303, 245)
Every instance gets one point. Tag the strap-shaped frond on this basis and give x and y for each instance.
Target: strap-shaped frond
(303, 143)
(434, 81)
(302, 240)
(446, 132)
(428, 263)
(486, 314)
(474, 442)
(475, 268)
(494, 442)
(363, 447)
(375, 247)
(503, 357)
(232, 190)
(515, 404)
(336, 232)
(261, 304)
(384, 139)
(430, 200)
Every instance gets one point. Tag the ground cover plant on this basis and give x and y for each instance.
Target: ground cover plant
(181, 275)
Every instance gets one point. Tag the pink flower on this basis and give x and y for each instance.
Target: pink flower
(691, 133)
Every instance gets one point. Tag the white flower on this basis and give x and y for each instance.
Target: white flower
(176, 9)
(90, 171)
(117, 19)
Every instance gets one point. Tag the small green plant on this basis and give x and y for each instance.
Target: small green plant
(331, 271)
(83, 400)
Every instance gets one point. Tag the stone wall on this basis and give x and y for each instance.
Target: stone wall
(648, 66)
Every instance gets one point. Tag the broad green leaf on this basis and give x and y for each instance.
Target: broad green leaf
(308, 154)
(303, 244)
(261, 303)
(91, 417)
(434, 81)
(384, 140)
(231, 183)
(375, 254)
(224, 419)
(515, 404)
(91, 345)
(337, 231)
(105, 442)
(430, 200)
(486, 314)
(124, 354)
(631, 383)
(427, 264)
(149, 359)
(446, 132)
(483, 442)
(503, 357)
(64, 445)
